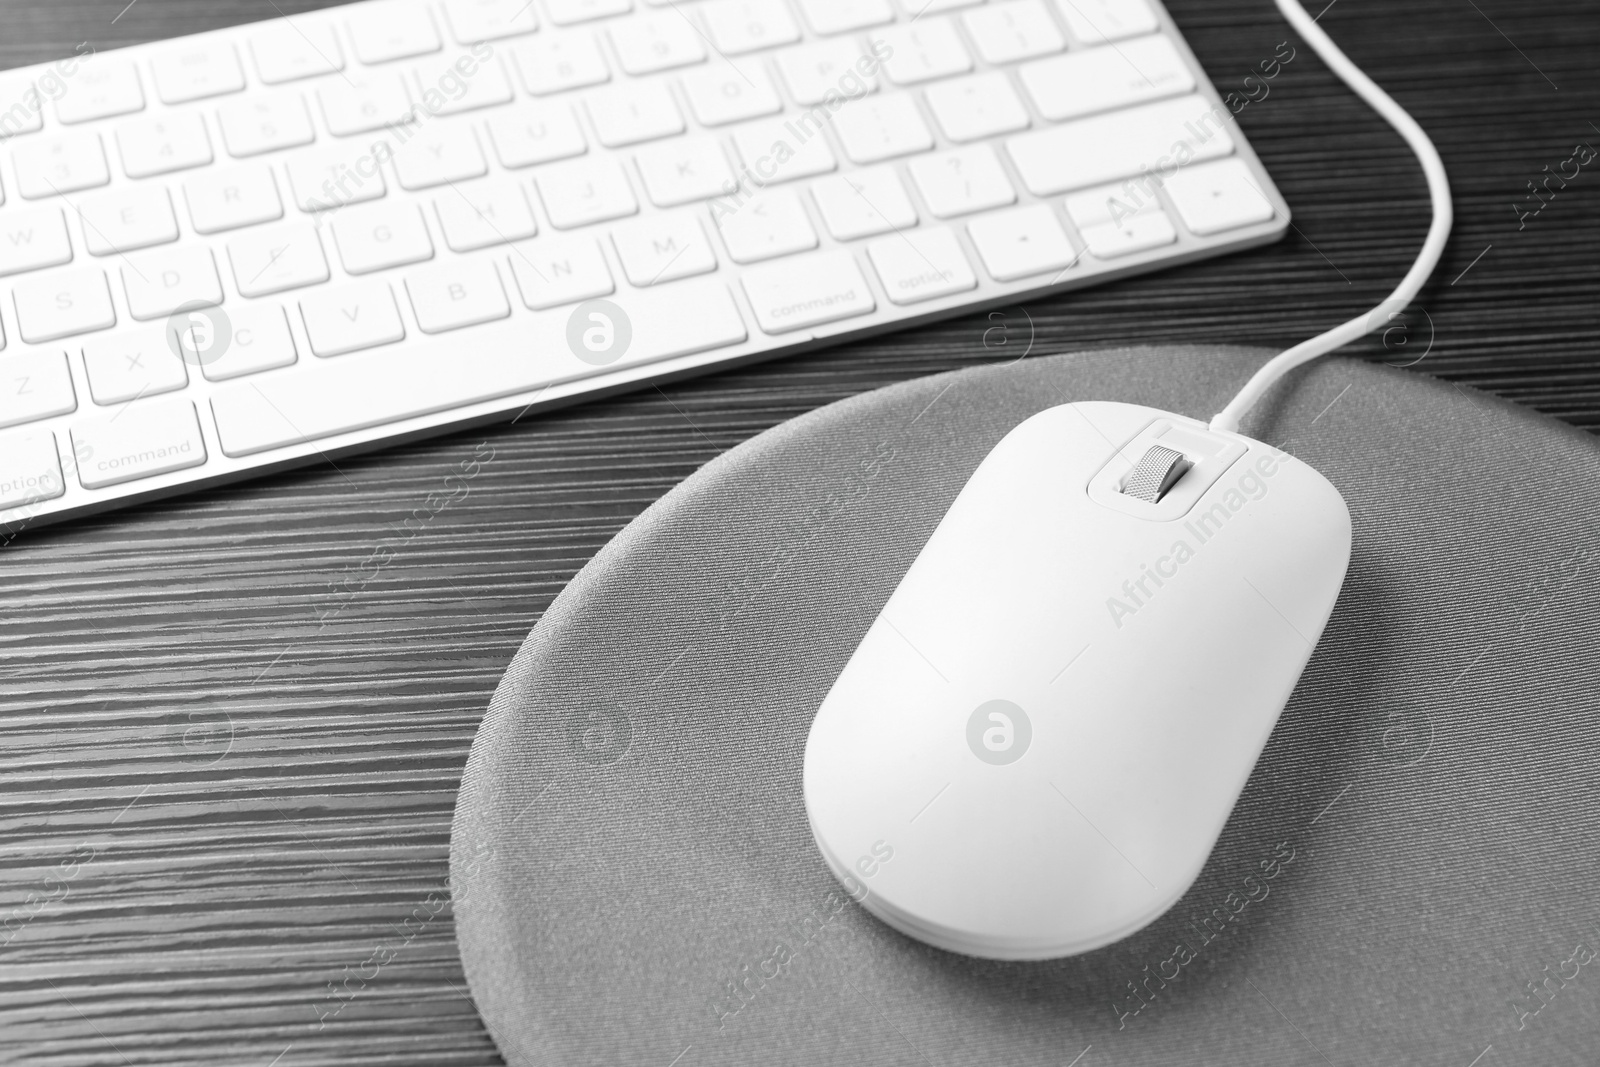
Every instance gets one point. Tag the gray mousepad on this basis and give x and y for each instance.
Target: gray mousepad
(1410, 876)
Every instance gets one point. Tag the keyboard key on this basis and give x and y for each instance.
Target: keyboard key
(921, 264)
(770, 223)
(196, 70)
(557, 62)
(1100, 79)
(139, 441)
(841, 16)
(863, 203)
(32, 238)
(648, 43)
(126, 366)
(1023, 242)
(261, 341)
(1099, 21)
(663, 248)
(62, 304)
(383, 32)
(584, 191)
(175, 141)
(21, 106)
(440, 152)
(564, 271)
(102, 86)
(372, 390)
(445, 89)
(968, 109)
(882, 127)
(536, 132)
(448, 296)
(48, 166)
(35, 385)
(158, 283)
(773, 150)
(1217, 196)
(1134, 235)
(740, 26)
(921, 51)
(1016, 29)
(122, 220)
(479, 214)
(275, 259)
(962, 181)
(265, 124)
(30, 469)
(807, 291)
(351, 107)
(814, 71)
(723, 93)
(567, 12)
(1110, 204)
(351, 317)
(628, 114)
(1108, 147)
(472, 21)
(289, 49)
(381, 235)
(684, 170)
(1147, 228)
(236, 196)
(335, 176)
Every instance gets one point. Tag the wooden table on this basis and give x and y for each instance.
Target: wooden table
(230, 753)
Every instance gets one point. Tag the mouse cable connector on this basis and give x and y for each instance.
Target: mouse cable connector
(1432, 248)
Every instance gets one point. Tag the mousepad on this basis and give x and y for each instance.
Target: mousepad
(1410, 876)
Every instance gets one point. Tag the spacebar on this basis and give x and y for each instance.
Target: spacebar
(322, 397)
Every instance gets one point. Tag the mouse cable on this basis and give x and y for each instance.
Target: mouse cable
(1432, 248)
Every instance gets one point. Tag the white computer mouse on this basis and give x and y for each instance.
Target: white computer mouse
(1036, 744)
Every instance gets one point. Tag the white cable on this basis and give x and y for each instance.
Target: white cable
(1432, 248)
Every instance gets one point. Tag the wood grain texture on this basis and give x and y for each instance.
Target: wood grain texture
(230, 753)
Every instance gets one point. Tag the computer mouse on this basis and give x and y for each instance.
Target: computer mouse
(1036, 744)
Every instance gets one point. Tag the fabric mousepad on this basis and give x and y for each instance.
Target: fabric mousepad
(1410, 876)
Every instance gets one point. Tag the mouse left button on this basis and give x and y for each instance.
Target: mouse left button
(1155, 473)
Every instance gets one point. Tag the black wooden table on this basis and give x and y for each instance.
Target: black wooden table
(229, 752)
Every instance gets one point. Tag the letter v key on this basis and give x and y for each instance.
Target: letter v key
(335, 322)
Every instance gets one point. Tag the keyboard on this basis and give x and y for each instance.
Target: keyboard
(277, 243)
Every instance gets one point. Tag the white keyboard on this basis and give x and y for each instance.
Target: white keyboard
(266, 245)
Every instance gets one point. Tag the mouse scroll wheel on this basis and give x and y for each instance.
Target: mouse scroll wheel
(1153, 475)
